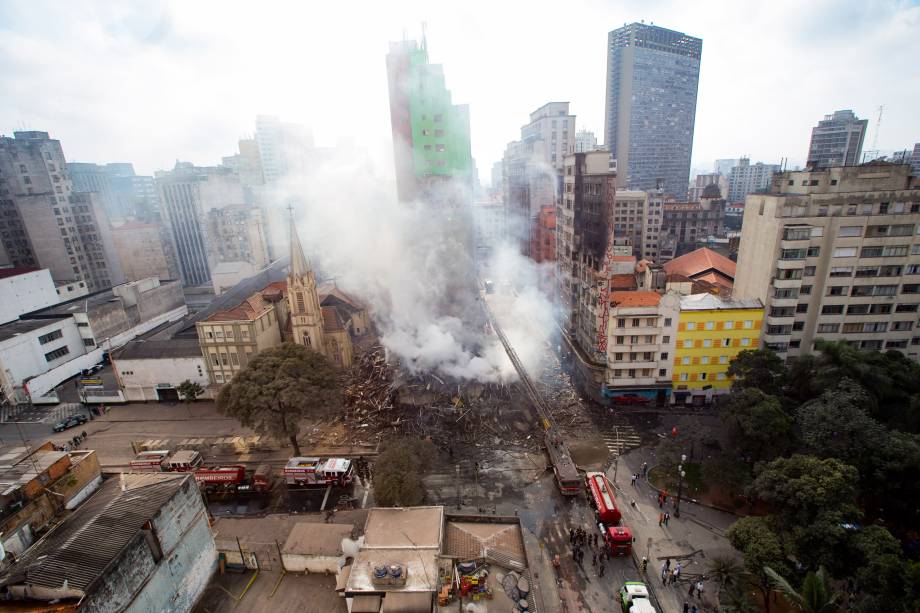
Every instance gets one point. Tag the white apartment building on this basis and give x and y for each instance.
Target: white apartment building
(747, 178)
(835, 254)
(641, 342)
(637, 217)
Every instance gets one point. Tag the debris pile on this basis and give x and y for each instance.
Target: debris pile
(566, 406)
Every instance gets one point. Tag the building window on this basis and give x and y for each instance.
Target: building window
(828, 328)
(214, 360)
(688, 344)
(234, 359)
(899, 326)
(850, 231)
(805, 290)
(704, 359)
(809, 271)
(748, 324)
(57, 353)
(44, 339)
(813, 252)
(801, 308)
(662, 372)
(683, 376)
(723, 359)
(667, 321)
(720, 376)
(664, 356)
(832, 309)
(665, 339)
(745, 342)
(845, 252)
(219, 377)
(729, 325)
(691, 325)
(635, 323)
(685, 360)
(621, 323)
(906, 308)
(836, 290)
(707, 342)
(710, 325)
(702, 376)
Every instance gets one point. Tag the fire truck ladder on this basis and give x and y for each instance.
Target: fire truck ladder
(558, 451)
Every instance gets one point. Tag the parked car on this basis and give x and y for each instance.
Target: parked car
(70, 422)
(631, 399)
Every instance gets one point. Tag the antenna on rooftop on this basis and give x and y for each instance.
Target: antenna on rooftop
(424, 36)
(878, 124)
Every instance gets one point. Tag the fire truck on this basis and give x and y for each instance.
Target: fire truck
(263, 479)
(161, 460)
(221, 478)
(619, 538)
(318, 471)
(149, 461)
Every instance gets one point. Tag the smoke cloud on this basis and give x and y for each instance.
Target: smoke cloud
(408, 263)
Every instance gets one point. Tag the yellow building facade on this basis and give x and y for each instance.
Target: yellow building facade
(710, 333)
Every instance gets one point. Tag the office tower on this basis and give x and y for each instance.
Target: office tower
(747, 178)
(88, 177)
(652, 79)
(431, 135)
(533, 168)
(123, 193)
(44, 223)
(247, 164)
(837, 140)
(145, 250)
(585, 141)
(915, 161)
(209, 220)
(834, 254)
(285, 149)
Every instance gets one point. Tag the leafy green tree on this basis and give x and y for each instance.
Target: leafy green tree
(189, 391)
(726, 572)
(760, 547)
(891, 488)
(835, 425)
(758, 369)
(398, 473)
(757, 425)
(882, 572)
(280, 387)
(815, 596)
(802, 487)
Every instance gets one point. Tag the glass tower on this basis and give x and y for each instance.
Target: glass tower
(652, 80)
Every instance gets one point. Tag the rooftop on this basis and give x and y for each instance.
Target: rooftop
(421, 570)
(409, 528)
(332, 321)
(701, 261)
(622, 282)
(317, 539)
(710, 302)
(22, 326)
(635, 299)
(15, 272)
(80, 549)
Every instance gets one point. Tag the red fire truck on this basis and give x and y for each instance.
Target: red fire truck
(221, 478)
(149, 461)
(618, 538)
(318, 471)
(263, 479)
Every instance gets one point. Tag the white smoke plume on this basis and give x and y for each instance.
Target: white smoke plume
(416, 277)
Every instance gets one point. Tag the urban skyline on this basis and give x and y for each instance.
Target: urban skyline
(161, 128)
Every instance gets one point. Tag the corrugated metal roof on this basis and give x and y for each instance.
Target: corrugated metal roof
(81, 548)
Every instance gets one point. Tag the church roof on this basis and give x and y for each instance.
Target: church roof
(332, 320)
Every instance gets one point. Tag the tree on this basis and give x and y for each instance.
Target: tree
(835, 425)
(758, 369)
(803, 487)
(882, 573)
(726, 572)
(398, 473)
(280, 387)
(760, 547)
(815, 596)
(189, 391)
(757, 424)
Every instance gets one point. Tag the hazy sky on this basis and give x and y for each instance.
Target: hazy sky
(152, 82)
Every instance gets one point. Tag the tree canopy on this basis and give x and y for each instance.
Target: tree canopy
(398, 472)
(280, 387)
(758, 368)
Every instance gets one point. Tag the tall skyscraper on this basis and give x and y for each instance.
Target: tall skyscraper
(747, 178)
(837, 140)
(123, 193)
(284, 148)
(45, 222)
(431, 134)
(652, 80)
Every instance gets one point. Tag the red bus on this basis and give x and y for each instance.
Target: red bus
(602, 494)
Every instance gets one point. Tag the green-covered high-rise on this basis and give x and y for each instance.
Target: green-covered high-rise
(431, 135)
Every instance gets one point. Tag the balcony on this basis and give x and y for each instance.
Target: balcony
(790, 264)
(787, 283)
(784, 302)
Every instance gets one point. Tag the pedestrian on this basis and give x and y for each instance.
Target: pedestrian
(699, 588)
(676, 574)
(667, 518)
(593, 559)
(686, 608)
(660, 519)
(633, 480)
(660, 501)
(693, 609)
(667, 565)
(664, 572)
(644, 468)
(571, 535)
(595, 539)
(600, 572)
(692, 589)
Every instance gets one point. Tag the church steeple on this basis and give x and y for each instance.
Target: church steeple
(306, 314)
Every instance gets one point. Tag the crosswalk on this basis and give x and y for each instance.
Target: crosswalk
(620, 438)
(27, 413)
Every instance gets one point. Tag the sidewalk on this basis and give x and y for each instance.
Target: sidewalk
(696, 537)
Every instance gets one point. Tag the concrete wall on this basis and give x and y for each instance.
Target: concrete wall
(26, 293)
(23, 356)
(139, 378)
(758, 250)
(121, 582)
(296, 563)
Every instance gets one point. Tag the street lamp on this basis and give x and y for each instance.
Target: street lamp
(680, 483)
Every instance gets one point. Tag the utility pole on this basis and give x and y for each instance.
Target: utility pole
(458, 486)
(680, 483)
